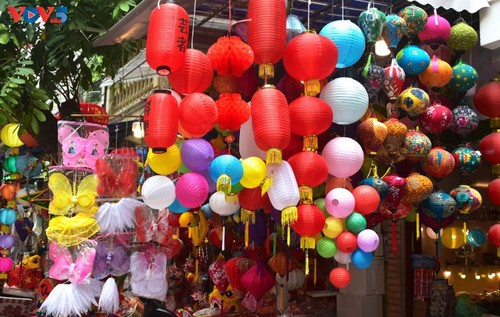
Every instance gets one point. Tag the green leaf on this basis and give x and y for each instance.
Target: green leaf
(124, 6)
(24, 71)
(26, 62)
(39, 115)
(4, 38)
(41, 105)
(116, 11)
(35, 126)
(17, 80)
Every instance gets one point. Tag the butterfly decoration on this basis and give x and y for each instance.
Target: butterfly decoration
(149, 274)
(117, 176)
(67, 200)
(80, 151)
(148, 229)
(111, 258)
(65, 269)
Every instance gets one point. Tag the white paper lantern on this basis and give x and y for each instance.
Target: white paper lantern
(342, 258)
(348, 99)
(284, 191)
(296, 279)
(224, 205)
(158, 192)
(247, 145)
(344, 156)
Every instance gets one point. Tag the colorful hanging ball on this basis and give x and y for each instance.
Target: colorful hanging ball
(494, 235)
(476, 237)
(367, 199)
(326, 247)
(158, 192)
(10, 135)
(349, 40)
(463, 77)
(463, 197)
(254, 172)
(395, 28)
(230, 56)
(340, 277)
(439, 205)
(415, 18)
(372, 77)
(465, 120)
(437, 74)
(394, 80)
(361, 259)
(344, 156)
(467, 160)
(372, 134)
(224, 205)
(226, 170)
(435, 119)
(452, 237)
(413, 102)
(310, 220)
(418, 188)
(477, 199)
(378, 184)
(493, 192)
(346, 242)
(371, 23)
(355, 223)
(8, 216)
(339, 202)
(439, 163)
(417, 145)
(397, 190)
(333, 227)
(197, 154)
(436, 30)
(198, 113)
(342, 258)
(396, 133)
(191, 190)
(368, 240)
(413, 60)
(462, 38)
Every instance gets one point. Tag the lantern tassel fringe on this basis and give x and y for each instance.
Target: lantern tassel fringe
(307, 242)
(273, 156)
(289, 215)
(417, 223)
(312, 87)
(224, 184)
(306, 195)
(264, 185)
(310, 143)
(266, 70)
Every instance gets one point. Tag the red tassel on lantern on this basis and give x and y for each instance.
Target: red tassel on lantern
(167, 39)
(485, 101)
(198, 113)
(309, 117)
(233, 111)
(310, 57)
(267, 33)
(490, 150)
(230, 56)
(161, 117)
(310, 170)
(195, 75)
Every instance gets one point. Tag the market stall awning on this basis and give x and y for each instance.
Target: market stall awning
(471, 6)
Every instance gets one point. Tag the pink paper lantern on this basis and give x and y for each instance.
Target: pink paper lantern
(191, 190)
(6, 265)
(368, 240)
(436, 30)
(257, 280)
(339, 202)
(344, 156)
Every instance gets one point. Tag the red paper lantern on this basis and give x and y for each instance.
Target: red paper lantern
(494, 235)
(93, 109)
(367, 199)
(486, 99)
(167, 38)
(310, 221)
(340, 277)
(346, 242)
(233, 111)
(493, 192)
(198, 113)
(235, 268)
(161, 117)
(309, 117)
(267, 33)
(310, 57)
(251, 198)
(271, 122)
(257, 280)
(490, 150)
(230, 56)
(310, 170)
(195, 75)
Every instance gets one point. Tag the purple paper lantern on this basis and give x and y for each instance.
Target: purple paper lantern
(368, 240)
(197, 154)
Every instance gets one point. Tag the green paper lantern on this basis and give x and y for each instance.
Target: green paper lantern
(355, 223)
(236, 188)
(462, 38)
(326, 247)
(9, 164)
(320, 202)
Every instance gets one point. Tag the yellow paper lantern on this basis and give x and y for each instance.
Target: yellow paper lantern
(186, 219)
(165, 163)
(333, 227)
(254, 172)
(10, 135)
(452, 237)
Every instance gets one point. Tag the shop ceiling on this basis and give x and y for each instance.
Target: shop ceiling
(212, 17)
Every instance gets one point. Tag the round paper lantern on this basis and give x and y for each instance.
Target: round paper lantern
(333, 227)
(254, 173)
(452, 237)
(346, 242)
(197, 154)
(415, 18)
(418, 188)
(267, 33)
(465, 120)
(195, 74)
(417, 145)
(251, 199)
(349, 40)
(494, 235)
(438, 163)
(165, 163)
(232, 111)
(167, 39)
(463, 37)
(439, 205)
(348, 99)
(437, 74)
(158, 192)
(340, 277)
(366, 199)
(230, 56)
(463, 77)
(467, 160)
(372, 134)
(394, 80)
(490, 150)
(176, 207)
(476, 237)
(198, 113)
(368, 240)
(394, 29)
(271, 122)
(413, 102)
(224, 205)
(361, 259)
(191, 190)
(371, 23)
(186, 219)
(94, 109)
(326, 247)
(435, 118)
(397, 190)
(336, 182)
(493, 191)
(309, 58)
(161, 117)
(6, 264)
(413, 60)
(355, 222)
(436, 30)
(8, 191)
(485, 99)
(10, 135)
(294, 280)
(396, 133)
(7, 241)
(310, 170)
(310, 221)
(226, 170)
(8, 216)
(344, 156)
(342, 258)
(246, 142)
(372, 77)
(339, 202)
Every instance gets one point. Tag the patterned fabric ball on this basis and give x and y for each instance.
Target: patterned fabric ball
(463, 77)
(372, 134)
(468, 199)
(438, 74)
(417, 145)
(413, 60)
(418, 188)
(439, 205)
(436, 118)
(415, 18)
(439, 163)
(463, 37)
(395, 28)
(372, 77)
(465, 120)
(467, 160)
(396, 132)
(412, 102)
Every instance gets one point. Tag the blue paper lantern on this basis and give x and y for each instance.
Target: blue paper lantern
(349, 40)
(413, 60)
(207, 211)
(224, 171)
(476, 237)
(7, 216)
(439, 205)
(177, 207)
(361, 259)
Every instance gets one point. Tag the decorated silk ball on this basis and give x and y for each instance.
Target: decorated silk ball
(462, 37)
(467, 160)
(435, 119)
(372, 134)
(371, 23)
(380, 186)
(396, 133)
(439, 205)
(436, 30)
(395, 28)
(372, 77)
(418, 188)
(465, 120)
(412, 102)
(417, 145)
(463, 77)
(438, 163)
(437, 74)
(464, 199)
(415, 18)
(413, 60)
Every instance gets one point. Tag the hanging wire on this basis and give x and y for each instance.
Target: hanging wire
(308, 14)
(194, 22)
(230, 15)
(343, 8)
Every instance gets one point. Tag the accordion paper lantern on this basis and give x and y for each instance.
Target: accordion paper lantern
(463, 37)
(368, 240)
(161, 120)
(413, 60)
(493, 192)
(349, 40)
(198, 113)
(340, 277)
(412, 102)
(367, 199)
(342, 258)
(326, 247)
(344, 156)
(232, 111)
(465, 120)
(251, 199)
(437, 75)
(226, 170)
(295, 279)
(494, 235)
(254, 173)
(417, 145)
(361, 259)
(436, 30)
(415, 18)
(485, 100)
(10, 135)
(355, 222)
(191, 190)
(333, 227)
(463, 77)
(490, 150)
(195, 74)
(284, 192)
(339, 202)
(394, 29)
(167, 38)
(371, 23)
(476, 237)
(230, 56)
(197, 154)
(310, 221)
(346, 242)
(438, 163)
(247, 145)
(158, 192)
(310, 171)
(165, 163)
(224, 205)
(435, 119)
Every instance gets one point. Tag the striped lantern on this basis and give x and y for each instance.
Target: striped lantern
(344, 156)
(224, 205)
(195, 75)
(191, 190)
(198, 113)
(226, 170)
(271, 122)
(161, 117)
(310, 171)
(255, 174)
(490, 150)
(167, 38)
(197, 154)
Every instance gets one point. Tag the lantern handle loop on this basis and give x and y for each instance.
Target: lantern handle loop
(436, 17)
(368, 64)
(369, 5)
